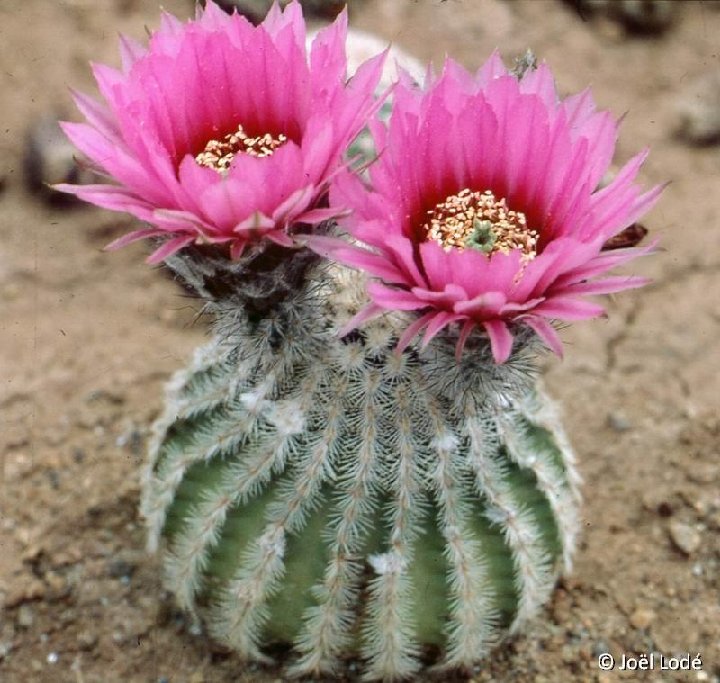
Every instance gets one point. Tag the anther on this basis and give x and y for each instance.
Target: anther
(478, 220)
(219, 154)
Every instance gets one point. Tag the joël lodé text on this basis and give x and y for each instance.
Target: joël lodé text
(656, 660)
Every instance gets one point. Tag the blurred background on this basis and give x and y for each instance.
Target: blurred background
(88, 338)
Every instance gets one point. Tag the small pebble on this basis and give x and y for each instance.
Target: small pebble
(53, 658)
(87, 640)
(713, 520)
(618, 422)
(569, 654)
(25, 616)
(654, 501)
(637, 16)
(10, 291)
(703, 472)
(698, 110)
(600, 647)
(57, 584)
(685, 537)
(121, 567)
(53, 478)
(49, 158)
(255, 10)
(131, 439)
(67, 616)
(104, 396)
(642, 618)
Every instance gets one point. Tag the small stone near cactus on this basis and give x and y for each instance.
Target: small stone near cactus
(255, 10)
(637, 16)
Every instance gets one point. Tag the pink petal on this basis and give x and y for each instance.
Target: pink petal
(546, 332)
(97, 115)
(170, 24)
(237, 248)
(183, 222)
(501, 341)
(601, 132)
(394, 299)
(91, 142)
(257, 221)
(436, 324)
(487, 304)
(327, 54)
(447, 298)
(134, 237)
(290, 17)
(606, 285)
(366, 313)
(493, 68)
(169, 248)
(540, 82)
(314, 216)
(110, 197)
(630, 212)
(280, 238)
(403, 257)
(578, 108)
(110, 82)
(602, 263)
(293, 205)
(560, 256)
(340, 251)
(569, 308)
(130, 52)
(467, 328)
(413, 329)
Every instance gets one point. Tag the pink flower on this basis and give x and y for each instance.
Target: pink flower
(222, 132)
(484, 210)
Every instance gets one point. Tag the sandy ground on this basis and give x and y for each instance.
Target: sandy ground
(88, 339)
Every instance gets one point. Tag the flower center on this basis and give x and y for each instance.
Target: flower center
(218, 154)
(477, 220)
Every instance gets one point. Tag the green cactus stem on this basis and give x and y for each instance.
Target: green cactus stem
(333, 495)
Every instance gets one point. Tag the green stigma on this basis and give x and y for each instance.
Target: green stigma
(482, 237)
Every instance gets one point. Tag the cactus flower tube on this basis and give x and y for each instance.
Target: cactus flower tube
(322, 478)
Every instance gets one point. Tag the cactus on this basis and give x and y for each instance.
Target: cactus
(332, 494)
(321, 478)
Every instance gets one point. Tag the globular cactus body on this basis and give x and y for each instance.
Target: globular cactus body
(361, 494)
(332, 494)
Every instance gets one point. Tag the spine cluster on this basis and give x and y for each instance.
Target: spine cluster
(334, 495)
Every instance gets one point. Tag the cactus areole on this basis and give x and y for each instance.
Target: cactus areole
(322, 477)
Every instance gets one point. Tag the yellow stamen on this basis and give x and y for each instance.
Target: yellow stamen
(478, 220)
(218, 154)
